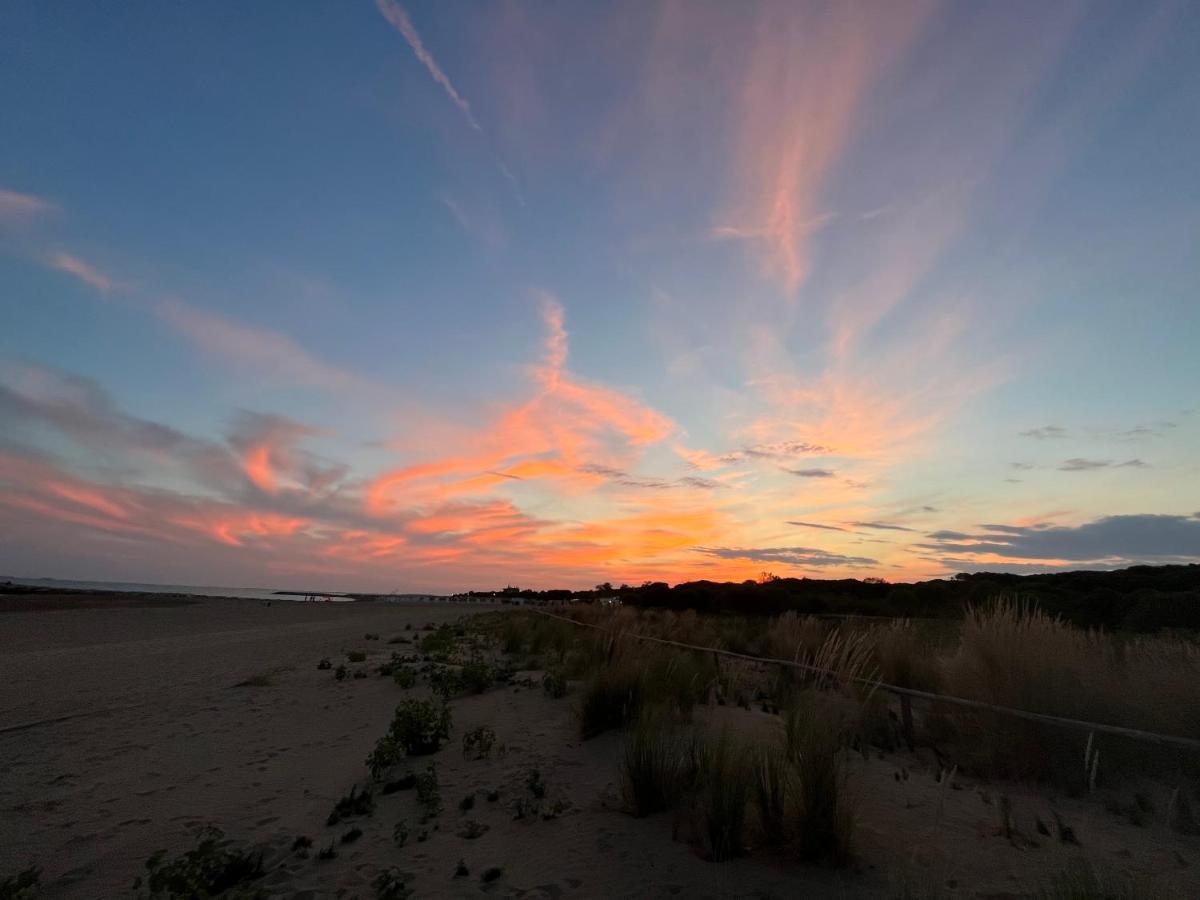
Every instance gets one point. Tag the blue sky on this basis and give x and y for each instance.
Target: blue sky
(448, 295)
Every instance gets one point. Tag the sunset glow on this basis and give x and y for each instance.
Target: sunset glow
(384, 295)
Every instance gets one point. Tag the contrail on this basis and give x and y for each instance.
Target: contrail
(398, 18)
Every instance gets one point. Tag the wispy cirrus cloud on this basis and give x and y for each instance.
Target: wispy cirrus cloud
(1080, 464)
(89, 274)
(399, 19)
(262, 349)
(1045, 432)
(792, 556)
(17, 207)
(818, 525)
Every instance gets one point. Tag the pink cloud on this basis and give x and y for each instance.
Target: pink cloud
(15, 206)
(84, 271)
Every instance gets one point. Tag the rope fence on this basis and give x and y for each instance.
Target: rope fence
(1169, 740)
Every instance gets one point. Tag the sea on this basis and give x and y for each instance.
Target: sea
(200, 590)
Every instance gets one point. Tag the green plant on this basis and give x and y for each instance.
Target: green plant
(479, 741)
(555, 685)
(470, 830)
(1080, 881)
(420, 727)
(325, 663)
(360, 673)
(405, 782)
(212, 868)
(429, 793)
(356, 803)
(724, 780)
(476, 676)
(370, 636)
(340, 673)
(440, 643)
(25, 885)
(400, 833)
(356, 656)
(404, 676)
(446, 683)
(535, 785)
(658, 764)
(303, 842)
(327, 853)
(491, 874)
(467, 803)
(352, 835)
(392, 884)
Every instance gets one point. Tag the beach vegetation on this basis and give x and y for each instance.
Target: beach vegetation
(356, 656)
(355, 803)
(724, 782)
(429, 794)
(213, 868)
(25, 885)
(392, 884)
(478, 742)
(419, 726)
(659, 763)
(471, 829)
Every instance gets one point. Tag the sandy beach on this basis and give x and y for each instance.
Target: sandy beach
(125, 730)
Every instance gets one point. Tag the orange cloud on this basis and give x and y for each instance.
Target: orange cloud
(567, 424)
(257, 465)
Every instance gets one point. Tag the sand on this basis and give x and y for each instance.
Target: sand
(123, 731)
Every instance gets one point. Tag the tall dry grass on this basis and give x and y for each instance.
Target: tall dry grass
(724, 782)
(1011, 654)
(824, 823)
(659, 762)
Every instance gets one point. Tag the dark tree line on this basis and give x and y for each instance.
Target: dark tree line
(1141, 598)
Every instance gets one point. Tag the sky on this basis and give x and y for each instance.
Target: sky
(372, 295)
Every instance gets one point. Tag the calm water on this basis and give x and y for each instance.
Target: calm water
(200, 590)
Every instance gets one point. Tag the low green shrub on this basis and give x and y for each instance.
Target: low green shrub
(470, 830)
(554, 685)
(419, 726)
(211, 869)
(356, 656)
(479, 742)
(25, 885)
(356, 803)
(325, 663)
(392, 884)
(429, 793)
